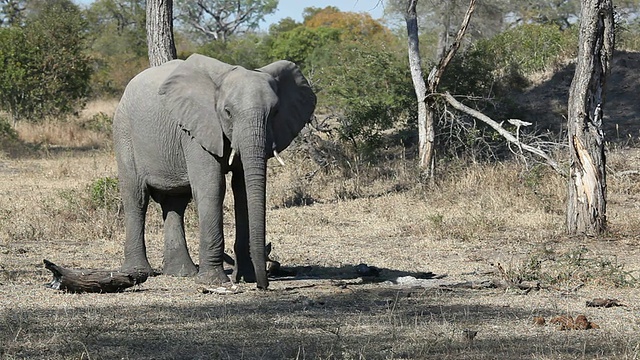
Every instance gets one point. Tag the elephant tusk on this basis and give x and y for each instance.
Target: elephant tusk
(233, 154)
(277, 156)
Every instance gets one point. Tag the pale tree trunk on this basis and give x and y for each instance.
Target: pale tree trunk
(586, 203)
(160, 41)
(424, 91)
(425, 122)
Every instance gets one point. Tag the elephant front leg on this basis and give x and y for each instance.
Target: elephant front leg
(209, 202)
(243, 268)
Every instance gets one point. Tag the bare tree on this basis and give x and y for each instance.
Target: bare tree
(160, 40)
(425, 127)
(424, 91)
(218, 19)
(586, 203)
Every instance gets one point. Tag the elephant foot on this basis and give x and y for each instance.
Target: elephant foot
(214, 276)
(137, 267)
(180, 269)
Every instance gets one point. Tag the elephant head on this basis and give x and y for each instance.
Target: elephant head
(252, 113)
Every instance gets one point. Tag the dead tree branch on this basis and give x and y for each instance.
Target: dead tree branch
(436, 73)
(92, 281)
(505, 133)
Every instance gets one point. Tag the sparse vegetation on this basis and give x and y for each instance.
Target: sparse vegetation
(477, 215)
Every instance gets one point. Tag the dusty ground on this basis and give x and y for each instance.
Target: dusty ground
(459, 230)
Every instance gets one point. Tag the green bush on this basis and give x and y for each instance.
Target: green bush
(43, 68)
(528, 48)
(369, 87)
(99, 122)
(299, 44)
(10, 143)
(103, 194)
(7, 132)
(249, 50)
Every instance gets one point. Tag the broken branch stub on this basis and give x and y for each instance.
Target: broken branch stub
(92, 281)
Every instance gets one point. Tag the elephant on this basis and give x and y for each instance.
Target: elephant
(178, 129)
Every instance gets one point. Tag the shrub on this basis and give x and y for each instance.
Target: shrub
(528, 48)
(99, 122)
(43, 69)
(103, 193)
(369, 88)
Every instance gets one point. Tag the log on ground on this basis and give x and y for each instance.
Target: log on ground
(91, 280)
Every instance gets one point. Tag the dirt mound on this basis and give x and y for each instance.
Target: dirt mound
(546, 104)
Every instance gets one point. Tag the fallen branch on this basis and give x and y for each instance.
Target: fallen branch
(92, 281)
(502, 131)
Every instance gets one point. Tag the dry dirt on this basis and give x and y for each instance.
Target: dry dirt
(478, 224)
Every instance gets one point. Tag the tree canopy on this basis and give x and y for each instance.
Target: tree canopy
(219, 19)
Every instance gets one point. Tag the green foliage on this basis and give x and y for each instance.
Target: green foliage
(369, 84)
(469, 73)
(249, 51)
(99, 122)
(528, 48)
(43, 70)
(103, 193)
(298, 44)
(6, 130)
(117, 43)
(283, 25)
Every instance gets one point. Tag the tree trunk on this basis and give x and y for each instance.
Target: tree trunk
(425, 122)
(160, 41)
(586, 203)
(424, 91)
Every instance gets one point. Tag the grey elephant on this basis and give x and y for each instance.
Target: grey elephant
(178, 129)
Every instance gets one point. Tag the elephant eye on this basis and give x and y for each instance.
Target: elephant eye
(227, 112)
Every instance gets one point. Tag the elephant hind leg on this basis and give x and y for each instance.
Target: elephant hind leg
(177, 261)
(135, 201)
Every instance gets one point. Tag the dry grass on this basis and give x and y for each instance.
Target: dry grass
(475, 217)
(88, 130)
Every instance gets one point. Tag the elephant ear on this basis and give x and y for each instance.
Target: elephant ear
(190, 93)
(297, 102)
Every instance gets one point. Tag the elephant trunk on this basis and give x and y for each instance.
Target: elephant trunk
(253, 153)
